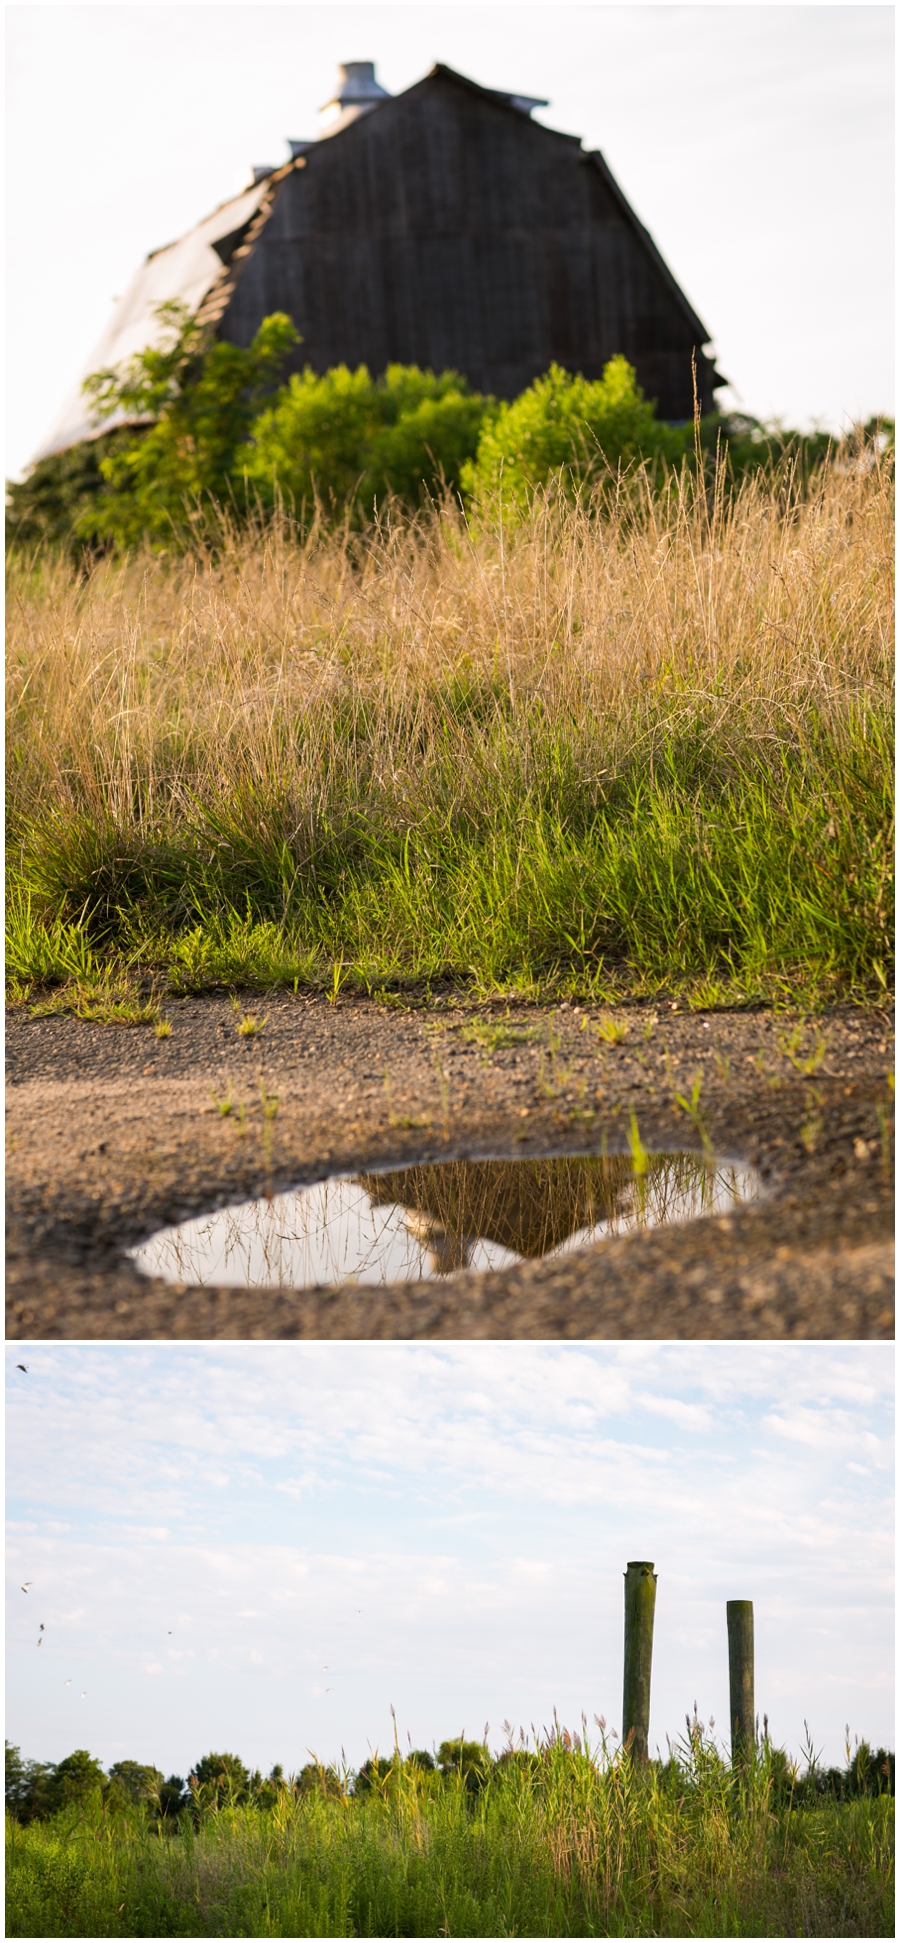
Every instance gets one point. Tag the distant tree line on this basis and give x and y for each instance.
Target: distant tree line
(194, 428)
(37, 1790)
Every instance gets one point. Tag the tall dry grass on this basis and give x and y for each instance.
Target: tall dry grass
(381, 745)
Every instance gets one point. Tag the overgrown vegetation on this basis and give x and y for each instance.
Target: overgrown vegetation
(643, 739)
(554, 1838)
(200, 425)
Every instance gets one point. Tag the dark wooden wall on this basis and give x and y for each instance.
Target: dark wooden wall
(448, 231)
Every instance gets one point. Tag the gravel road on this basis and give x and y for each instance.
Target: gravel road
(113, 1133)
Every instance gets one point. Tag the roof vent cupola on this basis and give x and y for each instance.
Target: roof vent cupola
(356, 94)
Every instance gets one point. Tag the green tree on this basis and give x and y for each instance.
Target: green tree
(78, 1778)
(201, 401)
(571, 426)
(469, 1760)
(347, 440)
(419, 1757)
(16, 1780)
(134, 1781)
(28, 1786)
(173, 1794)
(221, 1778)
(314, 1779)
(374, 1776)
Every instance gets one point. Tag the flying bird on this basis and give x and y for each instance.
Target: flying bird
(40, 1642)
(21, 1366)
(28, 1582)
(67, 1683)
(42, 1626)
(84, 1695)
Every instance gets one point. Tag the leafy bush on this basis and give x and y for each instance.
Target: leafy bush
(207, 430)
(54, 503)
(160, 484)
(571, 426)
(346, 440)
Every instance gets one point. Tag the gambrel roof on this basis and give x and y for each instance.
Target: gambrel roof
(440, 227)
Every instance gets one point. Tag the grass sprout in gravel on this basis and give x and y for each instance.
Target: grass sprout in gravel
(547, 1843)
(635, 743)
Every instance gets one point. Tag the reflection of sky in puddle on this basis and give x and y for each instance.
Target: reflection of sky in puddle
(456, 1215)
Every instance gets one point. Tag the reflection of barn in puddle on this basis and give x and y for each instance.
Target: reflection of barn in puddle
(528, 1207)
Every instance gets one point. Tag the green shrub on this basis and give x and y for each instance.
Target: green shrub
(573, 427)
(54, 503)
(345, 440)
(162, 483)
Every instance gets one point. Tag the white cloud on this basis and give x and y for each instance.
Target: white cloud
(445, 1527)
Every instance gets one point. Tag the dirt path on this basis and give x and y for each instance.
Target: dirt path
(113, 1133)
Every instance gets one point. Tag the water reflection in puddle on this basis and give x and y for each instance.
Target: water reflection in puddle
(417, 1223)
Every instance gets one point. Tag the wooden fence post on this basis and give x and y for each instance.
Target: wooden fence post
(640, 1605)
(740, 1679)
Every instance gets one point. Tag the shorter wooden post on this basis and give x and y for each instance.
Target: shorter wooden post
(640, 1606)
(740, 1679)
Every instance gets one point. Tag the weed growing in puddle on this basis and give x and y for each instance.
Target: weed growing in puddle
(691, 1106)
(229, 1107)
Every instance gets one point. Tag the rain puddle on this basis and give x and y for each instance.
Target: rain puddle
(417, 1223)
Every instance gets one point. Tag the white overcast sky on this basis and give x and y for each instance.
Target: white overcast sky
(755, 142)
(258, 1548)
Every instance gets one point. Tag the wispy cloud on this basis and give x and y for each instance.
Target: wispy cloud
(445, 1526)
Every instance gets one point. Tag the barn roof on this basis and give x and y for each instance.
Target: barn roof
(202, 268)
(187, 271)
(594, 159)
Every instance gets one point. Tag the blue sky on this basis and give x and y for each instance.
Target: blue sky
(755, 142)
(261, 1547)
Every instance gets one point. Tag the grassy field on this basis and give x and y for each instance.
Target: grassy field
(555, 1844)
(633, 744)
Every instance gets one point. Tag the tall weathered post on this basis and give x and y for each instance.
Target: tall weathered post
(640, 1606)
(740, 1679)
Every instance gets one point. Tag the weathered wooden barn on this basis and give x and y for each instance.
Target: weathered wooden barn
(441, 227)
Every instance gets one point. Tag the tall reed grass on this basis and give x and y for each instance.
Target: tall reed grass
(558, 1842)
(640, 740)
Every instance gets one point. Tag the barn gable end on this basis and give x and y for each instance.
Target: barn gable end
(447, 229)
